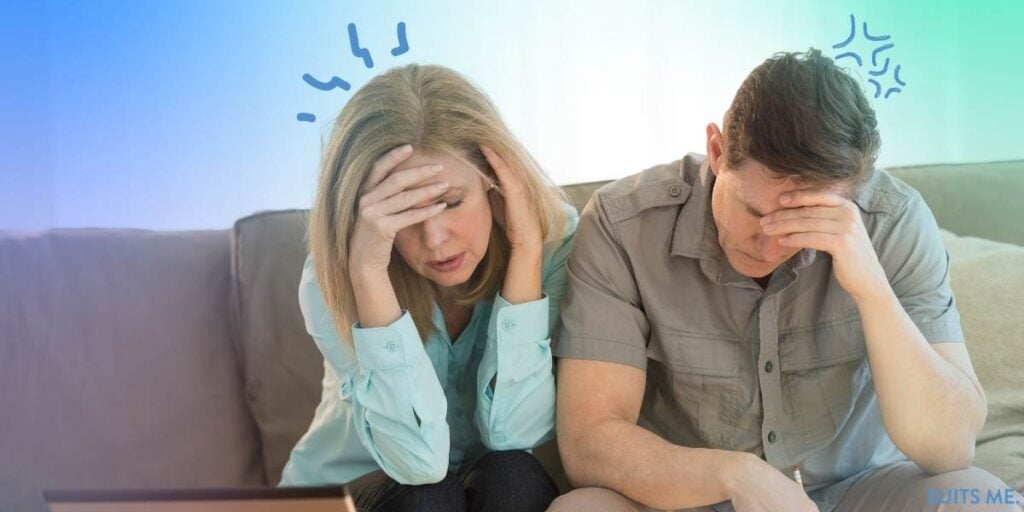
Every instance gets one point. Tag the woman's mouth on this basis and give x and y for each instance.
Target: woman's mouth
(449, 264)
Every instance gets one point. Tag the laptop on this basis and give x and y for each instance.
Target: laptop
(333, 498)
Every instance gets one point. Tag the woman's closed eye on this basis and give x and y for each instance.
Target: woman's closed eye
(453, 203)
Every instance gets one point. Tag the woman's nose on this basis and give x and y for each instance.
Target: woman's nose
(435, 232)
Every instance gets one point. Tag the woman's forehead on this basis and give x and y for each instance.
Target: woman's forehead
(456, 170)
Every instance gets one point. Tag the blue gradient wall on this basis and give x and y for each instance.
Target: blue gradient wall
(182, 114)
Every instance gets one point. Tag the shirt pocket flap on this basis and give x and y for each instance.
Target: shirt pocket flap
(701, 355)
(827, 344)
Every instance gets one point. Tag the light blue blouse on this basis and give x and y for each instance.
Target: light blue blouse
(418, 410)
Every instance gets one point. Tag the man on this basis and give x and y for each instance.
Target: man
(778, 307)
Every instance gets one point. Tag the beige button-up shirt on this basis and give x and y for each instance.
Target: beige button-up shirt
(780, 372)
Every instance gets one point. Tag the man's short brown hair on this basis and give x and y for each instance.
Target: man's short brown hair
(801, 116)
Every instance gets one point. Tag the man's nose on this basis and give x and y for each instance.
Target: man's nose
(770, 250)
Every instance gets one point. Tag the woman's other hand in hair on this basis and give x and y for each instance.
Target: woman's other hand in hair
(511, 206)
(513, 211)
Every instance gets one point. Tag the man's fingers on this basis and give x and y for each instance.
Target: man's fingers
(401, 180)
(808, 197)
(819, 212)
(818, 241)
(385, 163)
(803, 225)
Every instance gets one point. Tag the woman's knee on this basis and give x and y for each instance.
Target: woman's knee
(509, 480)
(446, 495)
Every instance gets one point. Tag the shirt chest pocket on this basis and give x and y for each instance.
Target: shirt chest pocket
(695, 387)
(824, 371)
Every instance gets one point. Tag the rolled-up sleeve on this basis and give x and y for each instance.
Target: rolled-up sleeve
(515, 382)
(388, 379)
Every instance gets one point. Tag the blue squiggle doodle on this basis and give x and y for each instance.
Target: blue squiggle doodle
(326, 86)
(363, 53)
(878, 87)
(360, 52)
(877, 73)
(852, 55)
(880, 49)
(874, 38)
(403, 44)
(881, 71)
(853, 32)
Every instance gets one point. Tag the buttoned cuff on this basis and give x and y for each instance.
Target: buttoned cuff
(519, 323)
(392, 346)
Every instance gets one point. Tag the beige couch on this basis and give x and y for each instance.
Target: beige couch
(132, 358)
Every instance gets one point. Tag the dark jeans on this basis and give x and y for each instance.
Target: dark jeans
(499, 481)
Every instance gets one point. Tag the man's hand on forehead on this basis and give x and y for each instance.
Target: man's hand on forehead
(824, 220)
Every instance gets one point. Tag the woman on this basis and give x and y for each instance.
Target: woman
(440, 247)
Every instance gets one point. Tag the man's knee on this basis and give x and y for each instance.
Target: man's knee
(969, 489)
(595, 499)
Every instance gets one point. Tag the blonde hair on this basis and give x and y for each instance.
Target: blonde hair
(434, 109)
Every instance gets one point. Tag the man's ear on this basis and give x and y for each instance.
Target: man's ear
(716, 148)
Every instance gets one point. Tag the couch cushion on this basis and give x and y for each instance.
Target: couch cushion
(579, 193)
(283, 368)
(988, 280)
(976, 199)
(116, 364)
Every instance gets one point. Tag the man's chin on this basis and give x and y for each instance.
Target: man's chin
(749, 267)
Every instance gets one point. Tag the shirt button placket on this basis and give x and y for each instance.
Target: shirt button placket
(769, 381)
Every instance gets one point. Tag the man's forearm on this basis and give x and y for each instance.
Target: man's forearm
(930, 407)
(618, 455)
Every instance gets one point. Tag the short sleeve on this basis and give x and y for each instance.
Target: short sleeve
(602, 316)
(917, 265)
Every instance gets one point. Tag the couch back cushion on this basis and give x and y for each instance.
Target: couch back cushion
(976, 199)
(988, 280)
(116, 364)
(283, 368)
